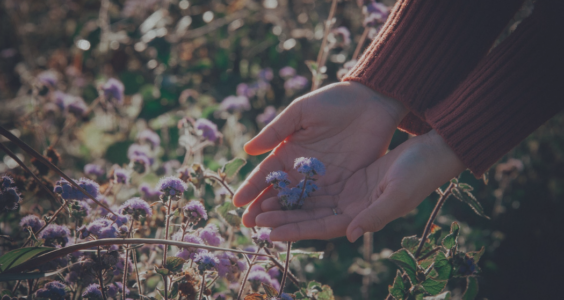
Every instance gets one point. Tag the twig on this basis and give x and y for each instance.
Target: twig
(203, 287)
(247, 273)
(100, 276)
(222, 183)
(125, 260)
(286, 268)
(322, 50)
(134, 255)
(360, 43)
(429, 253)
(431, 220)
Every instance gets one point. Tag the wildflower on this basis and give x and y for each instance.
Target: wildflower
(55, 234)
(9, 199)
(229, 266)
(342, 36)
(208, 128)
(195, 211)
(94, 170)
(235, 103)
(6, 182)
(33, 222)
(150, 137)
(289, 198)
(467, 267)
(69, 192)
(116, 287)
(206, 261)
(172, 186)
(118, 270)
(136, 207)
(266, 74)
(296, 83)
(287, 72)
(278, 179)
(48, 78)
(310, 187)
(113, 90)
(92, 292)
(274, 272)
(267, 116)
(121, 176)
(119, 219)
(262, 238)
(80, 209)
(188, 252)
(53, 290)
(76, 106)
(210, 234)
(100, 228)
(375, 13)
(258, 277)
(140, 163)
(149, 192)
(309, 166)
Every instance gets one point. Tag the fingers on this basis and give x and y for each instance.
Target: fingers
(324, 201)
(280, 217)
(388, 207)
(276, 131)
(255, 209)
(324, 228)
(256, 182)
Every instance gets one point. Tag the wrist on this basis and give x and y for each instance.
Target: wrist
(443, 150)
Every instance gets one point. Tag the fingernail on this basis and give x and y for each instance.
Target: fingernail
(356, 234)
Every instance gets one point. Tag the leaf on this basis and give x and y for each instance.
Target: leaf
(254, 296)
(476, 255)
(19, 256)
(232, 167)
(326, 293)
(397, 289)
(174, 264)
(486, 178)
(174, 291)
(311, 254)
(442, 266)
(163, 271)
(228, 212)
(465, 187)
(451, 239)
(270, 291)
(314, 285)
(469, 199)
(454, 180)
(471, 288)
(442, 296)
(411, 243)
(433, 287)
(407, 262)
(435, 234)
(24, 276)
(312, 65)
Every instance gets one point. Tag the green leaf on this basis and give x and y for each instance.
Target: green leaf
(465, 187)
(435, 234)
(228, 212)
(442, 296)
(174, 291)
(174, 264)
(326, 293)
(454, 180)
(314, 285)
(411, 243)
(397, 289)
(433, 287)
(407, 262)
(19, 256)
(163, 271)
(232, 167)
(471, 288)
(476, 255)
(468, 198)
(311, 254)
(451, 239)
(270, 291)
(442, 266)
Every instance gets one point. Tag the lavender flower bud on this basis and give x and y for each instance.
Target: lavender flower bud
(113, 90)
(208, 128)
(79, 209)
(33, 222)
(54, 290)
(267, 116)
(93, 292)
(172, 187)
(195, 211)
(279, 179)
(309, 166)
(235, 103)
(188, 252)
(94, 170)
(262, 238)
(210, 234)
(55, 235)
(287, 72)
(136, 207)
(289, 198)
(150, 137)
(206, 261)
(266, 74)
(296, 83)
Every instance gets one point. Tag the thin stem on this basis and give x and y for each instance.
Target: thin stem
(360, 43)
(429, 253)
(100, 276)
(286, 268)
(431, 220)
(125, 261)
(251, 263)
(203, 287)
(165, 277)
(321, 54)
(48, 222)
(367, 249)
(222, 183)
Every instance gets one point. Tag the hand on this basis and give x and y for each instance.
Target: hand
(345, 125)
(371, 197)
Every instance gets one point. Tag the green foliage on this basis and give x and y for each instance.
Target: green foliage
(19, 256)
(232, 167)
(229, 213)
(406, 261)
(471, 289)
(452, 238)
(174, 264)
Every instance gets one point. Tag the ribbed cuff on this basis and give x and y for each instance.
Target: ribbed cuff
(512, 91)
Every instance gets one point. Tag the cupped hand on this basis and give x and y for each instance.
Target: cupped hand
(345, 125)
(371, 197)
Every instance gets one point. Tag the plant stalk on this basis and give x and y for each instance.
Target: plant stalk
(125, 261)
(165, 277)
(251, 263)
(286, 268)
(360, 43)
(203, 287)
(100, 276)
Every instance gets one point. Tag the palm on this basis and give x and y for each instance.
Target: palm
(346, 129)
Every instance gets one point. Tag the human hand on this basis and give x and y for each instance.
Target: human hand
(345, 125)
(371, 197)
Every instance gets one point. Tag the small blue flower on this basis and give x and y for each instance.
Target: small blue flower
(206, 261)
(290, 198)
(55, 234)
(278, 179)
(33, 222)
(136, 207)
(172, 187)
(92, 292)
(195, 211)
(113, 90)
(54, 290)
(309, 166)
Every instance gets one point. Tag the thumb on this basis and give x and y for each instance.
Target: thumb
(276, 131)
(383, 210)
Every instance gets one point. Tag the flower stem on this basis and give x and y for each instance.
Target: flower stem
(134, 255)
(125, 261)
(251, 263)
(222, 183)
(286, 268)
(100, 276)
(432, 218)
(165, 277)
(203, 287)
(322, 51)
(360, 43)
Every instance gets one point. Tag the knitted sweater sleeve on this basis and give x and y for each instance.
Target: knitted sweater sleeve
(432, 55)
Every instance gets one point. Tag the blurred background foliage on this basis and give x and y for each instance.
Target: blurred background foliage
(181, 58)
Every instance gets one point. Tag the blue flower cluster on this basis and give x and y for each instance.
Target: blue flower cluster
(69, 192)
(9, 196)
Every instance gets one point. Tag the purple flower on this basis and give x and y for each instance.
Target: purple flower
(6, 182)
(262, 238)
(92, 292)
(229, 266)
(208, 128)
(243, 89)
(235, 103)
(267, 116)
(149, 192)
(172, 186)
(296, 83)
(309, 166)
(285, 296)
(121, 176)
(375, 13)
(93, 169)
(310, 187)
(342, 35)
(119, 219)
(48, 78)
(274, 272)
(279, 179)
(52, 290)
(258, 277)
(287, 72)
(255, 268)
(33, 222)
(9, 199)
(116, 287)
(55, 234)
(149, 136)
(118, 270)
(141, 163)
(76, 106)
(188, 252)
(210, 235)
(206, 261)
(290, 198)
(136, 207)
(79, 209)
(100, 228)
(113, 90)
(195, 211)
(69, 192)
(266, 74)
